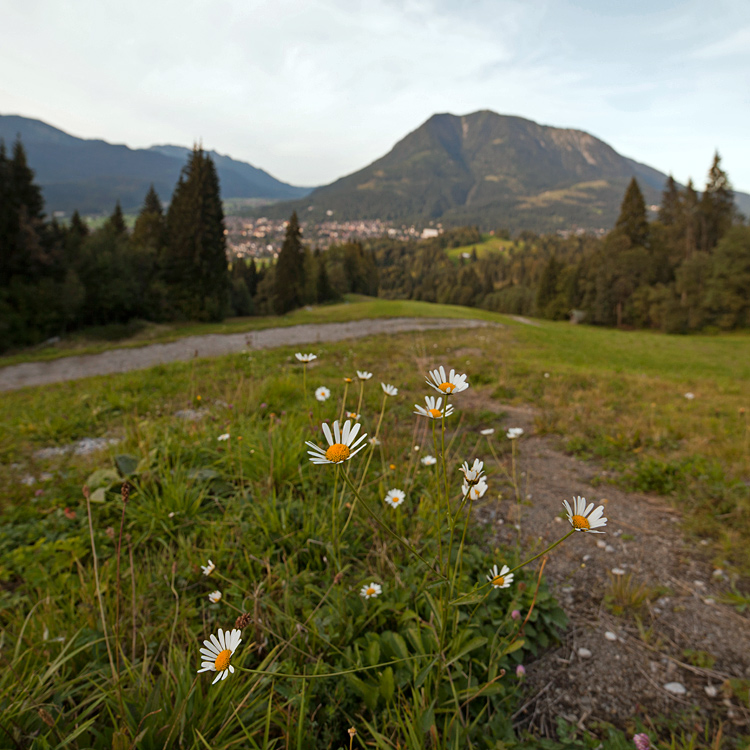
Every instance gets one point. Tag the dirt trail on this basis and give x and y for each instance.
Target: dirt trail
(614, 668)
(212, 345)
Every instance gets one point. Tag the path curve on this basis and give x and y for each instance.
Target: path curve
(212, 345)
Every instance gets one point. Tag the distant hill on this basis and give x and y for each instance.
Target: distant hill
(91, 175)
(491, 170)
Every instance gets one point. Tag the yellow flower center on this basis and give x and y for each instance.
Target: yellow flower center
(581, 522)
(347, 380)
(337, 453)
(436, 413)
(222, 660)
(498, 581)
(447, 387)
(370, 591)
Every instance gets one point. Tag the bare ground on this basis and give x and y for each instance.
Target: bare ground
(589, 677)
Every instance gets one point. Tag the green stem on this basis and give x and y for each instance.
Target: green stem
(335, 674)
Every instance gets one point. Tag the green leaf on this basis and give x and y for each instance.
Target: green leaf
(102, 478)
(373, 652)
(422, 676)
(513, 646)
(126, 465)
(395, 644)
(474, 597)
(476, 642)
(387, 685)
(99, 496)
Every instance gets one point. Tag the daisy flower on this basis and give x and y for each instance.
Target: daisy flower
(389, 390)
(305, 357)
(581, 518)
(364, 375)
(429, 461)
(488, 431)
(353, 415)
(500, 579)
(433, 410)
(217, 654)
(223, 437)
(373, 590)
(474, 472)
(342, 444)
(322, 393)
(208, 569)
(475, 491)
(215, 596)
(689, 396)
(514, 432)
(394, 498)
(374, 441)
(453, 383)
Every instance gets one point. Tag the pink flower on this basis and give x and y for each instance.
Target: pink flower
(515, 614)
(641, 742)
(521, 672)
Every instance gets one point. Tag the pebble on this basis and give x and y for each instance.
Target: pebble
(558, 519)
(718, 572)
(601, 544)
(699, 584)
(584, 653)
(676, 688)
(610, 636)
(711, 691)
(609, 548)
(586, 558)
(618, 571)
(709, 600)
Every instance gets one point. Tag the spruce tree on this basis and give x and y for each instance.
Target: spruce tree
(150, 226)
(195, 259)
(632, 221)
(671, 208)
(289, 274)
(690, 219)
(116, 222)
(323, 288)
(716, 206)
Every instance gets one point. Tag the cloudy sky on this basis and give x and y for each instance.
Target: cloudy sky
(311, 90)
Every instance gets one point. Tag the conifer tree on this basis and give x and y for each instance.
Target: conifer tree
(690, 219)
(195, 260)
(150, 226)
(289, 275)
(323, 287)
(716, 206)
(670, 209)
(116, 222)
(632, 221)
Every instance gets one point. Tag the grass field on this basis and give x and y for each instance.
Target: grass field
(488, 246)
(273, 524)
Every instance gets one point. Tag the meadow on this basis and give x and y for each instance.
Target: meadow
(104, 604)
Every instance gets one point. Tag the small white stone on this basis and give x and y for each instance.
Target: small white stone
(676, 688)
(699, 584)
(610, 636)
(584, 653)
(609, 548)
(558, 519)
(618, 572)
(586, 558)
(709, 600)
(601, 544)
(718, 572)
(704, 542)
(711, 691)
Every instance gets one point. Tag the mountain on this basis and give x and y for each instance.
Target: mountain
(91, 175)
(487, 169)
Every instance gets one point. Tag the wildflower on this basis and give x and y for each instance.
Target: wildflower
(514, 432)
(198, 397)
(617, 572)
(429, 461)
(391, 466)
(306, 357)
(475, 491)
(394, 498)
(364, 375)
(515, 614)
(208, 569)
(352, 732)
(433, 410)
(373, 590)
(322, 393)
(520, 671)
(348, 380)
(217, 654)
(223, 437)
(642, 742)
(474, 473)
(546, 374)
(689, 396)
(581, 518)
(353, 415)
(243, 620)
(374, 441)
(342, 444)
(453, 383)
(488, 431)
(215, 596)
(389, 390)
(500, 579)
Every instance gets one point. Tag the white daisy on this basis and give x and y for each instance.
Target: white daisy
(429, 461)
(689, 396)
(473, 473)
(500, 579)
(322, 393)
(374, 441)
(475, 491)
(389, 390)
(306, 357)
(433, 410)
(223, 437)
(514, 432)
(364, 375)
(353, 415)
(374, 589)
(394, 498)
(453, 383)
(208, 569)
(341, 444)
(488, 431)
(215, 596)
(217, 654)
(581, 518)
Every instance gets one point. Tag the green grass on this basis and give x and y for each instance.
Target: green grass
(356, 307)
(488, 246)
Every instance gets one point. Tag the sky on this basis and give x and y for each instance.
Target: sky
(311, 90)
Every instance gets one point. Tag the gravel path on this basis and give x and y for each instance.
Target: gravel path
(213, 345)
